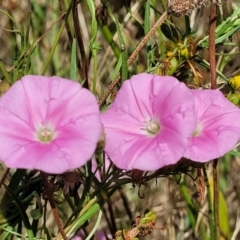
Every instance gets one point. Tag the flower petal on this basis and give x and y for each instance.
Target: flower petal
(220, 126)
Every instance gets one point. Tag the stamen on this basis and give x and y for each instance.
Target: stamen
(45, 134)
(153, 127)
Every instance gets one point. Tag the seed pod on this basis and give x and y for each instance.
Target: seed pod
(184, 7)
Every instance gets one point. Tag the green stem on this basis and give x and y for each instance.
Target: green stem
(210, 207)
(216, 197)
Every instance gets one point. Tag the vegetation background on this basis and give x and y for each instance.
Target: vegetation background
(90, 41)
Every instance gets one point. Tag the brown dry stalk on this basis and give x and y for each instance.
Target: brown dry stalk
(134, 55)
(212, 48)
(52, 204)
(212, 61)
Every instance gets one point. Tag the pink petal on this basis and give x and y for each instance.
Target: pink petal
(220, 124)
(63, 104)
(140, 99)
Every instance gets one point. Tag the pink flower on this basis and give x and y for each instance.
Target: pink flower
(218, 126)
(149, 123)
(48, 123)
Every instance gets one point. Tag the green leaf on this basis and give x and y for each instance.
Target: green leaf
(73, 67)
(85, 214)
(5, 73)
(223, 211)
(124, 71)
(226, 29)
(170, 32)
(234, 153)
(22, 212)
(91, 7)
(56, 42)
(117, 68)
(224, 216)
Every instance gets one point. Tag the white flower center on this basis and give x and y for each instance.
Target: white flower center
(152, 127)
(45, 134)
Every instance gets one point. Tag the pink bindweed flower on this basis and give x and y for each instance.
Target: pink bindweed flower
(148, 125)
(48, 123)
(218, 126)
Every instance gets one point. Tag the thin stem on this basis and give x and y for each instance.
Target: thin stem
(96, 225)
(125, 203)
(52, 204)
(216, 196)
(210, 208)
